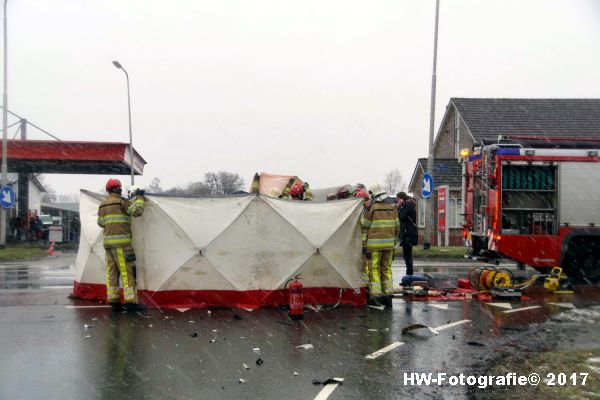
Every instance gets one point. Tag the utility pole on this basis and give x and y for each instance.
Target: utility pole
(430, 203)
(4, 132)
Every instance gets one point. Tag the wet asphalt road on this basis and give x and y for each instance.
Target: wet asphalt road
(49, 353)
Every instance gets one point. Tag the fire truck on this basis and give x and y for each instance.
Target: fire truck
(536, 201)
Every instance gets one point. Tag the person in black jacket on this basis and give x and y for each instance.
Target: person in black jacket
(408, 236)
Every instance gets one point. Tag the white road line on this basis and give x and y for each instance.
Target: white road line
(327, 390)
(381, 352)
(453, 324)
(521, 309)
(182, 309)
(57, 287)
(508, 306)
(380, 308)
(98, 306)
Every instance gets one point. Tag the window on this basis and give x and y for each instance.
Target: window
(454, 213)
(421, 213)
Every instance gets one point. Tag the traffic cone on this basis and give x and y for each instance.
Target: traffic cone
(51, 249)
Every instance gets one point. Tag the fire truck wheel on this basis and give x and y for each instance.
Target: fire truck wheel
(589, 265)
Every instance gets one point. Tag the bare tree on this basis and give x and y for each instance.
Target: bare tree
(215, 184)
(393, 182)
(154, 186)
(230, 182)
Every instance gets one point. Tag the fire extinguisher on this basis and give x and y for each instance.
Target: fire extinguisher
(296, 298)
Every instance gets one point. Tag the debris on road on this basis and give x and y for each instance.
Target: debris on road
(416, 327)
(241, 380)
(339, 381)
(306, 346)
(245, 366)
(259, 362)
(476, 344)
(194, 335)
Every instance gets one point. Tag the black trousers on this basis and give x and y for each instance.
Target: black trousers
(407, 253)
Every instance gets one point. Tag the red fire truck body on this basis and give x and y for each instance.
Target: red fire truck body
(537, 202)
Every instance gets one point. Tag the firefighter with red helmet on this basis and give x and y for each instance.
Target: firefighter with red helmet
(114, 216)
(380, 221)
(297, 191)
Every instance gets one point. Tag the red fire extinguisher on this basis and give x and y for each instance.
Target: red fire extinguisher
(296, 298)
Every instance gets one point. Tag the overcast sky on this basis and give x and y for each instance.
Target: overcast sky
(332, 91)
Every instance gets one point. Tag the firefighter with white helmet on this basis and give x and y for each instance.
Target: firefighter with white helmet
(380, 221)
(114, 216)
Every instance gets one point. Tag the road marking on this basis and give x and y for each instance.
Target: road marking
(501, 305)
(381, 352)
(521, 309)
(380, 308)
(442, 306)
(451, 325)
(328, 389)
(99, 306)
(182, 309)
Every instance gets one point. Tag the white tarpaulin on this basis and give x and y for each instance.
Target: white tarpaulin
(232, 251)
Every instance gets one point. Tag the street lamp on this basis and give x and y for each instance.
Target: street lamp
(119, 66)
(4, 133)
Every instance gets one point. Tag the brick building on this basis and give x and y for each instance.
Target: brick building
(471, 120)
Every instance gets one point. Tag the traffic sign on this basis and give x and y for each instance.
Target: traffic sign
(7, 197)
(427, 186)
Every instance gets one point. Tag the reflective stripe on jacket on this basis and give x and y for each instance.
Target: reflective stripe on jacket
(114, 216)
(382, 226)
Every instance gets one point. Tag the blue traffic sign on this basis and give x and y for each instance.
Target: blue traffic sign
(7, 197)
(427, 186)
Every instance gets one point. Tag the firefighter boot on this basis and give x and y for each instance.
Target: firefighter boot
(115, 307)
(135, 307)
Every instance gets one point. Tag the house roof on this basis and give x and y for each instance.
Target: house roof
(446, 171)
(489, 118)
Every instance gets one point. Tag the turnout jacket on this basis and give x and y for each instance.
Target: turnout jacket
(114, 216)
(381, 224)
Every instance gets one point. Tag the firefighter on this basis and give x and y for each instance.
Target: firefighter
(114, 216)
(363, 236)
(301, 192)
(409, 236)
(381, 223)
(285, 193)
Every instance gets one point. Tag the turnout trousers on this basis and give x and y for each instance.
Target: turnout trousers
(380, 273)
(120, 262)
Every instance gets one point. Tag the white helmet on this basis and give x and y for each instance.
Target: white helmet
(132, 190)
(376, 189)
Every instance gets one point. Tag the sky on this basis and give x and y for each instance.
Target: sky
(333, 91)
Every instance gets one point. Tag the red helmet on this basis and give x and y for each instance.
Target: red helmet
(297, 190)
(113, 184)
(361, 193)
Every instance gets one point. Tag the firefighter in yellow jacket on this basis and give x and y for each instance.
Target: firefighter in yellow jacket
(381, 223)
(114, 216)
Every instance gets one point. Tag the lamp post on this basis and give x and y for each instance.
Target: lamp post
(119, 66)
(4, 133)
(429, 208)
